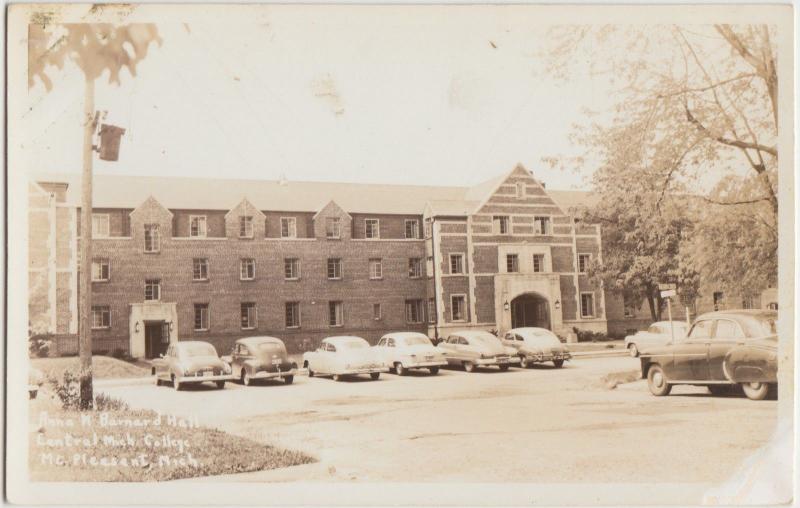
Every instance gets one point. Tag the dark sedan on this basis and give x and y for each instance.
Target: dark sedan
(254, 358)
(722, 349)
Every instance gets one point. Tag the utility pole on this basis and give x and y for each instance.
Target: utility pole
(85, 319)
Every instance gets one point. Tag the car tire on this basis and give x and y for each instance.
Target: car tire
(245, 378)
(657, 382)
(503, 368)
(523, 362)
(633, 350)
(558, 363)
(755, 391)
(175, 383)
(288, 380)
(375, 375)
(158, 381)
(433, 370)
(469, 366)
(399, 369)
(337, 377)
(220, 385)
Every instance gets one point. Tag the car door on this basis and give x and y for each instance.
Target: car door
(450, 346)
(326, 354)
(727, 334)
(466, 351)
(690, 355)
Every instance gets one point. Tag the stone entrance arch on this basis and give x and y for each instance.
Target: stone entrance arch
(508, 287)
(530, 310)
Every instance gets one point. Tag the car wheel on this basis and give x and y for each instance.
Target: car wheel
(175, 383)
(288, 380)
(469, 366)
(399, 369)
(756, 391)
(337, 377)
(633, 350)
(245, 378)
(558, 363)
(434, 370)
(503, 368)
(158, 381)
(523, 362)
(220, 384)
(376, 375)
(657, 382)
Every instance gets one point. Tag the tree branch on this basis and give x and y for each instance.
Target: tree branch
(742, 202)
(737, 143)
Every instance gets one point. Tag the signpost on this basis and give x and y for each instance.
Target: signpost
(668, 291)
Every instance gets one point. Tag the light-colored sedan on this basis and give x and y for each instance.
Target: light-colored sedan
(344, 356)
(657, 334)
(191, 361)
(401, 351)
(536, 345)
(476, 348)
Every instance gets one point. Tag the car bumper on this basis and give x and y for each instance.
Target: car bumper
(548, 357)
(422, 365)
(368, 370)
(496, 361)
(203, 379)
(263, 374)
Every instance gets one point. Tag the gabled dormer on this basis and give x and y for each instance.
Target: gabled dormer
(245, 222)
(151, 223)
(333, 223)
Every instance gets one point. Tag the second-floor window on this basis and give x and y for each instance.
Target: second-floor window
(583, 262)
(372, 228)
(538, 263)
(152, 289)
(334, 268)
(288, 227)
(248, 315)
(200, 269)
(415, 268)
(500, 225)
(456, 263)
(512, 263)
(100, 225)
(247, 269)
(246, 226)
(101, 270)
(291, 268)
(333, 227)
(414, 311)
(197, 226)
(412, 228)
(542, 226)
(152, 238)
(375, 268)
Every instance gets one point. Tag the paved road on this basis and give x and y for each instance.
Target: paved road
(538, 425)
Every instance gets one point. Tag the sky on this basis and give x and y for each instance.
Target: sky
(454, 98)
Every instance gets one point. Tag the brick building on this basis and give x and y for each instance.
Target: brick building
(179, 258)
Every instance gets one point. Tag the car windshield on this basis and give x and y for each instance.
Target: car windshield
(353, 344)
(416, 340)
(543, 338)
(761, 326)
(270, 347)
(199, 350)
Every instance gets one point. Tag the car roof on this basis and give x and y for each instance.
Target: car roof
(470, 333)
(666, 323)
(192, 343)
(340, 339)
(740, 314)
(404, 335)
(258, 340)
(530, 329)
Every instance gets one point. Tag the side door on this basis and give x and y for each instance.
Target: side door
(727, 334)
(690, 355)
(325, 358)
(449, 345)
(466, 351)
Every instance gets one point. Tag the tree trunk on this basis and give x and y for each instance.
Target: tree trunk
(652, 305)
(85, 320)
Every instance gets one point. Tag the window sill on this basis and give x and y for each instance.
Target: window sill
(100, 280)
(152, 252)
(335, 279)
(293, 327)
(334, 238)
(293, 279)
(247, 280)
(335, 326)
(249, 329)
(376, 278)
(101, 328)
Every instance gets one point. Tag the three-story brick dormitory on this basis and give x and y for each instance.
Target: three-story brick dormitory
(181, 259)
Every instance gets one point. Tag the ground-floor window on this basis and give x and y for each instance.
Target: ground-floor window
(458, 307)
(587, 305)
(292, 314)
(101, 316)
(376, 311)
(200, 317)
(248, 314)
(335, 314)
(414, 311)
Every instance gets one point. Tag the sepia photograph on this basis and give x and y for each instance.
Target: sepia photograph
(400, 254)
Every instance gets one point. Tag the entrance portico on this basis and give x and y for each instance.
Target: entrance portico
(152, 326)
(528, 300)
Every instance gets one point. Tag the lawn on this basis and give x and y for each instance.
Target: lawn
(124, 445)
(103, 367)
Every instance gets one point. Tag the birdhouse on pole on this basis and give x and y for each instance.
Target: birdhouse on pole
(109, 142)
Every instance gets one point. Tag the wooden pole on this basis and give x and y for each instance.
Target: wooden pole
(85, 344)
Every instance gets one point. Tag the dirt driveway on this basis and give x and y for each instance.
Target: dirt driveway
(538, 425)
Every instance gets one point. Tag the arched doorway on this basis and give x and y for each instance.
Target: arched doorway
(530, 309)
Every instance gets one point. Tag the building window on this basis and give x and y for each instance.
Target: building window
(500, 224)
(719, 300)
(415, 268)
(333, 227)
(152, 238)
(247, 269)
(587, 305)
(376, 312)
(458, 308)
(372, 228)
(412, 228)
(512, 263)
(292, 314)
(197, 226)
(583, 262)
(431, 310)
(414, 311)
(249, 317)
(288, 227)
(200, 269)
(101, 270)
(520, 189)
(245, 226)
(152, 289)
(200, 317)
(100, 225)
(456, 263)
(538, 263)
(541, 226)
(428, 228)
(334, 268)
(291, 268)
(101, 317)
(375, 268)
(429, 266)
(335, 314)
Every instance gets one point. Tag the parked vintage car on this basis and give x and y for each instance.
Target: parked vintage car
(536, 345)
(191, 361)
(657, 334)
(402, 351)
(254, 358)
(343, 356)
(722, 349)
(476, 348)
